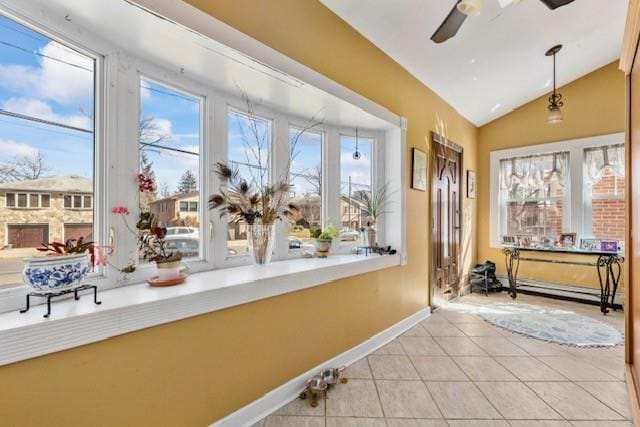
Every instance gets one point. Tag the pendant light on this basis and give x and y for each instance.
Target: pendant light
(470, 7)
(356, 154)
(555, 99)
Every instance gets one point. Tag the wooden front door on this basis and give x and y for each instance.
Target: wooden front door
(446, 163)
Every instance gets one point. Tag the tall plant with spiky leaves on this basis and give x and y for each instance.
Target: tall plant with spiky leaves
(375, 202)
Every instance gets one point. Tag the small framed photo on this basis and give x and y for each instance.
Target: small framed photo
(567, 240)
(609, 245)
(471, 184)
(419, 175)
(590, 244)
(524, 240)
(508, 240)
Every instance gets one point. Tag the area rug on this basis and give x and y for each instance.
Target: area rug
(552, 325)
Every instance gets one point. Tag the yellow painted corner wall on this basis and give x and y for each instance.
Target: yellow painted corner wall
(594, 105)
(194, 371)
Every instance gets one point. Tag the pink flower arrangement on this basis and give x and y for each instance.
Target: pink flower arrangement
(123, 210)
(145, 183)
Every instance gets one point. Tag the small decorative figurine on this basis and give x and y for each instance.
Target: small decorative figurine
(332, 375)
(316, 387)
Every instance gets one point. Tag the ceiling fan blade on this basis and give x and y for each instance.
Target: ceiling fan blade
(450, 25)
(554, 4)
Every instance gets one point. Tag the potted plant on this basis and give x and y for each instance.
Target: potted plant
(259, 206)
(374, 206)
(323, 240)
(153, 248)
(64, 266)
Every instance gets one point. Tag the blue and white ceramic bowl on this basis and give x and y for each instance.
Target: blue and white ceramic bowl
(55, 273)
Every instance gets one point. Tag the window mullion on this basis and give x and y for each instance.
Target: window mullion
(218, 149)
(331, 179)
(280, 154)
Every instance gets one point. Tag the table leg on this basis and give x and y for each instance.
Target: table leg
(512, 263)
(614, 269)
(605, 285)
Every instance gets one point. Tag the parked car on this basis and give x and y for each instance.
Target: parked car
(188, 244)
(174, 231)
(347, 235)
(295, 243)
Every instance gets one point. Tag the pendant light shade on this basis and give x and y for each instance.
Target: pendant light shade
(471, 7)
(554, 116)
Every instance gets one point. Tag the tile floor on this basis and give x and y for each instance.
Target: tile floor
(454, 369)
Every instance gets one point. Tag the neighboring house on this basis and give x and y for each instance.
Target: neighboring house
(179, 209)
(352, 213)
(44, 210)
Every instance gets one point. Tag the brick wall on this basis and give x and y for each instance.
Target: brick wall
(607, 207)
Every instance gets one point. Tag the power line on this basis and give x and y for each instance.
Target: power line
(178, 150)
(2, 42)
(33, 36)
(40, 128)
(177, 95)
(46, 122)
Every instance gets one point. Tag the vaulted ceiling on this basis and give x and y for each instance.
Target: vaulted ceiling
(496, 62)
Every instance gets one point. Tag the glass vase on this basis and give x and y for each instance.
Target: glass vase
(260, 238)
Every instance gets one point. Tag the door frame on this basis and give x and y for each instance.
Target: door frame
(436, 138)
(628, 57)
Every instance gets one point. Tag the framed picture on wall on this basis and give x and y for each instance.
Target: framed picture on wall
(471, 184)
(609, 245)
(419, 175)
(590, 244)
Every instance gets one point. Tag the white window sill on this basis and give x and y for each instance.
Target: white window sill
(130, 308)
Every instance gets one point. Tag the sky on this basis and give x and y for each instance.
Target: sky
(44, 79)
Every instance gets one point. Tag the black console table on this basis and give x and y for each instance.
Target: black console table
(608, 267)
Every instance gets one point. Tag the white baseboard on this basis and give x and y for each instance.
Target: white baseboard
(284, 394)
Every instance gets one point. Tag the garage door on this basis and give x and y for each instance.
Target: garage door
(75, 231)
(28, 235)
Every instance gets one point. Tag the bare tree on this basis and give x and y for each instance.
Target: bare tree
(21, 168)
(314, 178)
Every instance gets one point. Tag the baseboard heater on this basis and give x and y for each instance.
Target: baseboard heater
(564, 292)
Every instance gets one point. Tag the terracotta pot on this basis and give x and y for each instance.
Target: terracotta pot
(168, 270)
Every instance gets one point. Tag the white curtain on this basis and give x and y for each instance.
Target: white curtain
(598, 159)
(522, 176)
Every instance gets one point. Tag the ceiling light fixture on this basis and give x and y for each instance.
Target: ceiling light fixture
(470, 7)
(555, 99)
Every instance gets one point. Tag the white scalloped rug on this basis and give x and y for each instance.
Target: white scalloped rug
(553, 325)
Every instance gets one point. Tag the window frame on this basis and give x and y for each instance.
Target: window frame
(28, 195)
(143, 70)
(283, 236)
(116, 116)
(82, 200)
(377, 178)
(574, 217)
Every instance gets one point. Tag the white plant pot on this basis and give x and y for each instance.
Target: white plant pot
(55, 273)
(168, 270)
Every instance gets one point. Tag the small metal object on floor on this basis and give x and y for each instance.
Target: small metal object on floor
(49, 295)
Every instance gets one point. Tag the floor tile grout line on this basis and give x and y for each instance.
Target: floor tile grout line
(428, 391)
(577, 383)
(518, 379)
(375, 384)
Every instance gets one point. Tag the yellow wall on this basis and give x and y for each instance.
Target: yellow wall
(594, 105)
(197, 370)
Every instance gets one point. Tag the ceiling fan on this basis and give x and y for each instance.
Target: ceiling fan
(464, 8)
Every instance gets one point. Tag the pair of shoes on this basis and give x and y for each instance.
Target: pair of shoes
(488, 266)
